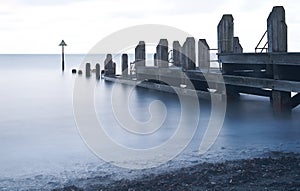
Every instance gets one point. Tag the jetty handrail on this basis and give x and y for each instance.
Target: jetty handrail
(264, 47)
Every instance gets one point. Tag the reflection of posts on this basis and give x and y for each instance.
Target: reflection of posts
(109, 66)
(88, 69)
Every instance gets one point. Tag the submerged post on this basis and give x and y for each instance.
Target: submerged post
(98, 71)
(109, 66)
(88, 70)
(62, 44)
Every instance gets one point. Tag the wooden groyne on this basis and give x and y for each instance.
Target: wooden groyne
(270, 71)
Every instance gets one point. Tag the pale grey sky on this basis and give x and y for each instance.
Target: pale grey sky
(36, 26)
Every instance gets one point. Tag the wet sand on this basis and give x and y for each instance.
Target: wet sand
(277, 171)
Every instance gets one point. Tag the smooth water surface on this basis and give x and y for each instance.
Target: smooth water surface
(41, 148)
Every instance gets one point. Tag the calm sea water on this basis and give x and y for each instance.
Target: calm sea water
(41, 148)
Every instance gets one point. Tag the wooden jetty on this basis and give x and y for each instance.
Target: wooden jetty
(271, 71)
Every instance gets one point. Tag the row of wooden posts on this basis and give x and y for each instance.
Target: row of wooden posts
(88, 71)
(182, 56)
(236, 65)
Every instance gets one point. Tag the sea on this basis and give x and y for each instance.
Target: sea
(42, 148)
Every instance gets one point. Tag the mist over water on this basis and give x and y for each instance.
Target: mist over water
(40, 146)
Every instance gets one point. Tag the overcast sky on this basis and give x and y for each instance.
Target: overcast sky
(38, 26)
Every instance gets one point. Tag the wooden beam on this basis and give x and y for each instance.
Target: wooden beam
(218, 78)
(283, 85)
(279, 58)
(254, 91)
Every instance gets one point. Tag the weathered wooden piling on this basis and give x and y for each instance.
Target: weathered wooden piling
(124, 65)
(98, 75)
(225, 38)
(162, 53)
(176, 53)
(203, 55)
(277, 30)
(225, 34)
(277, 42)
(189, 54)
(109, 66)
(277, 34)
(237, 47)
(88, 70)
(140, 54)
(228, 44)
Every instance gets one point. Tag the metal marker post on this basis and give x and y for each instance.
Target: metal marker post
(62, 44)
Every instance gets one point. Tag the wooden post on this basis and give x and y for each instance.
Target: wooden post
(277, 34)
(114, 68)
(124, 65)
(189, 54)
(140, 54)
(277, 42)
(226, 45)
(203, 55)
(176, 53)
(237, 47)
(109, 66)
(162, 53)
(225, 39)
(88, 70)
(98, 75)
(225, 34)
